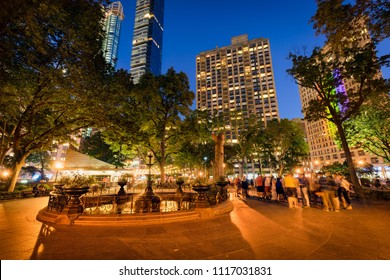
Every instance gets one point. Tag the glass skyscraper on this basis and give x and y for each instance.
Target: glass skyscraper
(112, 26)
(146, 53)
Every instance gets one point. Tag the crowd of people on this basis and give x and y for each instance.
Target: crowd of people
(326, 191)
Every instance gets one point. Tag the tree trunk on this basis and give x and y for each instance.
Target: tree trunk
(15, 175)
(348, 157)
(162, 170)
(218, 155)
(43, 169)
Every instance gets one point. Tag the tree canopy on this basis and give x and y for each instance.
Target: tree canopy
(282, 145)
(51, 73)
(349, 57)
(370, 130)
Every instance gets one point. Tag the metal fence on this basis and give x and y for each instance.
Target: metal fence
(105, 200)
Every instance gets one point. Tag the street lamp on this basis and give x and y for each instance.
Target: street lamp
(205, 166)
(5, 174)
(149, 182)
(58, 165)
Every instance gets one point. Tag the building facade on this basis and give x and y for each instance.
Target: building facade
(238, 82)
(146, 54)
(112, 26)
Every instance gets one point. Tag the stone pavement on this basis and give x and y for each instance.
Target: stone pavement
(254, 230)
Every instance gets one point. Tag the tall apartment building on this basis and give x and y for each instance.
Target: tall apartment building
(147, 42)
(238, 81)
(112, 26)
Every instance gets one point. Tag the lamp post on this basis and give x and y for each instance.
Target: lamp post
(205, 166)
(58, 165)
(149, 188)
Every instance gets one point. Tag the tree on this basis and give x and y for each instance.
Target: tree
(352, 59)
(164, 101)
(52, 73)
(122, 116)
(96, 147)
(42, 159)
(196, 143)
(245, 131)
(370, 130)
(333, 19)
(282, 143)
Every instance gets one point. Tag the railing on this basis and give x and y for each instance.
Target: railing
(103, 201)
(113, 204)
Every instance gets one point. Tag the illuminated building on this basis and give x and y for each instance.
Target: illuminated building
(146, 54)
(112, 26)
(238, 82)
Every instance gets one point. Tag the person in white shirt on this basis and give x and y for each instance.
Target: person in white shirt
(343, 192)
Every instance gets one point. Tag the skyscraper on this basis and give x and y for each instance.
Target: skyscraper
(238, 81)
(112, 26)
(146, 53)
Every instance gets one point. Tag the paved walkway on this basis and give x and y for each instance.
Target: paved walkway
(253, 230)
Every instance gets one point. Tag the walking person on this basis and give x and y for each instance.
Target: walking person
(260, 187)
(244, 187)
(237, 186)
(279, 189)
(314, 189)
(323, 185)
(304, 186)
(329, 190)
(274, 195)
(291, 185)
(267, 186)
(343, 193)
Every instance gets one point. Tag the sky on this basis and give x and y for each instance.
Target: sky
(194, 26)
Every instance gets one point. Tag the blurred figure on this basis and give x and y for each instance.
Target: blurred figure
(343, 193)
(260, 187)
(314, 189)
(244, 186)
(330, 189)
(35, 190)
(237, 185)
(274, 195)
(304, 186)
(267, 186)
(291, 185)
(279, 189)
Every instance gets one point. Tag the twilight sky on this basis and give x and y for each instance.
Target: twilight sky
(193, 26)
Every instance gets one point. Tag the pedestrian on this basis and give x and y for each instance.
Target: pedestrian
(267, 186)
(279, 189)
(377, 183)
(314, 190)
(244, 187)
(291, 185)
(323, 184)
(304, 186)
(41, 190)
(274, 195)
(343, 193)
(35, 190)
(260, 187)
(329, 189)
(237, 185)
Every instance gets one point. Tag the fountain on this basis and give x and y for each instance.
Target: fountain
(148, 201)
